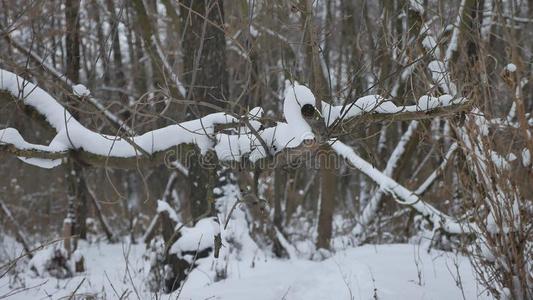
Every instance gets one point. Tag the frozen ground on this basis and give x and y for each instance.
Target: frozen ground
(370, 272)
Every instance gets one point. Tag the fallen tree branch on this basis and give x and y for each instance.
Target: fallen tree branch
(424, 187)
(371, 209)
(401, 194)
(158, 146)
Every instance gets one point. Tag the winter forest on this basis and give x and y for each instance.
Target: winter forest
(255, 149)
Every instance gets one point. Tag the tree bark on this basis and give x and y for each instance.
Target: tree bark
(327, 197)
(206, 78)
(320, 87)
(77, 194)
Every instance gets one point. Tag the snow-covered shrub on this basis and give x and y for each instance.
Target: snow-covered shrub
(154, 264)
(52, 261)
(501, 213)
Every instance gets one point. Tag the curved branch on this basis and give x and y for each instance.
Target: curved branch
(159, 146)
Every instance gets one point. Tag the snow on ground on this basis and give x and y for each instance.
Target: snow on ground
(400, 271)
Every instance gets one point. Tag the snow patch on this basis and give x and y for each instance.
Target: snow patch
(511, 68)
(197, 238)
(416, 5)
(163, 206)
(526, 157)
(81, 91)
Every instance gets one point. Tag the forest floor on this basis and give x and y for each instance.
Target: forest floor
(400, 271)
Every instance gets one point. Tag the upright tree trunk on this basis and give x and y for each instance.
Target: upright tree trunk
(77, 195)
(118, 67)
(133, 201)
(280, 182)
(320, 87)
(206, 78)
(72, 28)
(327, 197)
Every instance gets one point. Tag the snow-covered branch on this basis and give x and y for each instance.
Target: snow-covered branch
(400, 193)
(251, 143)
(433, 176)
(91, 146)
(168, 67)
(370, 210)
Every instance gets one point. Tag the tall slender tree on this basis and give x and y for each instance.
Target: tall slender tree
(77, 194)
(206, 77)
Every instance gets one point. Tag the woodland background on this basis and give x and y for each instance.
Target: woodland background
(153, 63)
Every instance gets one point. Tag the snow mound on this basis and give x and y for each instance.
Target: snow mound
(197, 238)
(81, 91)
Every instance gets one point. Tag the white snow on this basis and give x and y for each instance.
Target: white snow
(254, 31)
(296, 130)
(510, 68)
(499, 161)
(296, 96)
(42, 260)
(441, 76)
(283, 135)
(370, 210)
(399, 192)
(416, 5)
(428, 102)
(454, 41)
(526, 157)
(81, 91)
(73, 135)
(163, 206)
(430, 44)
(387, 271)
(168, 67)
(199, 237)
(369, 272)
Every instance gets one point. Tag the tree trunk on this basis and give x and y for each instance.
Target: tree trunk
(206, 78)
(327, 197)
(77, 195)
(280, 182)
(320, 87)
